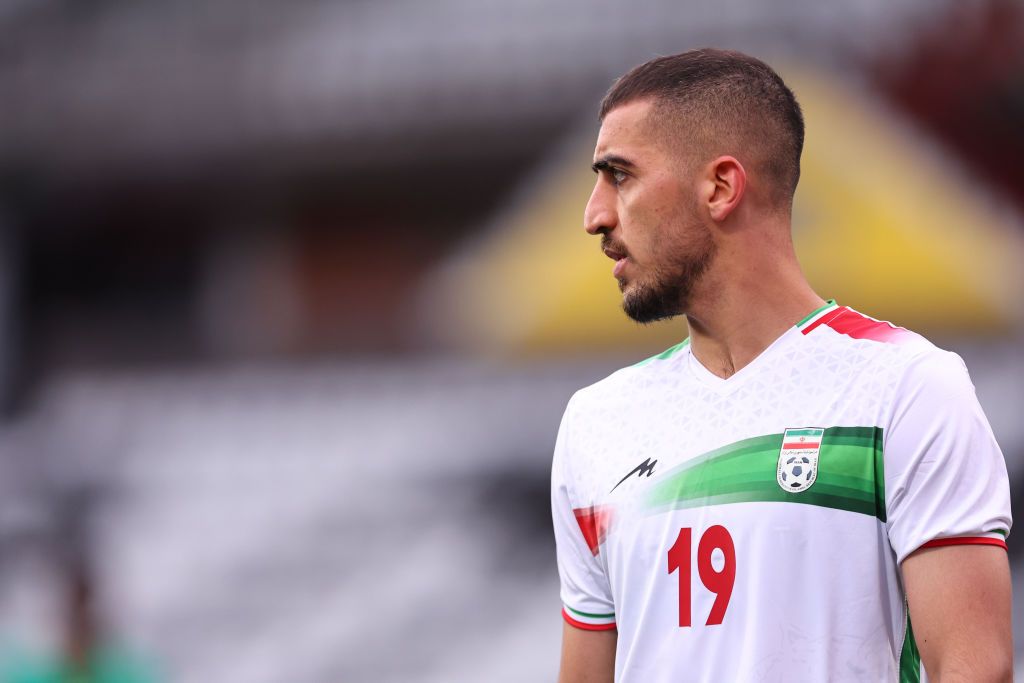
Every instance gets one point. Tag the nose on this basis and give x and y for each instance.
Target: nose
(599, 216)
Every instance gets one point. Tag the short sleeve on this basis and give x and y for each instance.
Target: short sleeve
(945, 477)
(585, 592)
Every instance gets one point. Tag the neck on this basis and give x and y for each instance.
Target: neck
(746, 304)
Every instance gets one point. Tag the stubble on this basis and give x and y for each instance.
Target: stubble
(667, 292)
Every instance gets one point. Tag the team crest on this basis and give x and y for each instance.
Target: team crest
(798, 459)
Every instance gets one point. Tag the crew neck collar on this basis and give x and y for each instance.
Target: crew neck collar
(817, 314)
(738, 378)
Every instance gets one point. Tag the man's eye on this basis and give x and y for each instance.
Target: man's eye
(618, 177)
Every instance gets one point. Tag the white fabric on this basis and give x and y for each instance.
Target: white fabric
(817, 594)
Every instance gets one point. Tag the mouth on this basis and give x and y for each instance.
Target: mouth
(614, 253)
(618, 255)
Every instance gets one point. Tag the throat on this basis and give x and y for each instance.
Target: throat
(726, 369)
(724, 361)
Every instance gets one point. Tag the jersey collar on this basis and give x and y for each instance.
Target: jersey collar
(730, 384)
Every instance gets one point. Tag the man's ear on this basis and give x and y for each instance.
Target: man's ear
(725, 181)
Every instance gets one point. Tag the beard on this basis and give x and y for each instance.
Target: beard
(667, 292)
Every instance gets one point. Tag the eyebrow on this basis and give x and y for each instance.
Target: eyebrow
(606, 162)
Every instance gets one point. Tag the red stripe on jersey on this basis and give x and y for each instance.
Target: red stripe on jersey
(594, 522)
(823, 320)
(587, 627)
(966, 540)
(802, 446)
(853, 324)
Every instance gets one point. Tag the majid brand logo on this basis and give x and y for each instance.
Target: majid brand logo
(646, 467)
(798, 458)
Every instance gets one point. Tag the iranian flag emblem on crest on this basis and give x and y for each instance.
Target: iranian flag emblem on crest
(798, 459)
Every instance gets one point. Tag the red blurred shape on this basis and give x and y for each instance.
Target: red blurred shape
(594, 522)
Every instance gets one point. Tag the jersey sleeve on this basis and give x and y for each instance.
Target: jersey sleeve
(945, 477)
(585, 591)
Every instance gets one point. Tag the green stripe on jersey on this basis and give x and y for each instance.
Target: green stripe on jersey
(666, 354)
(804, 432)
(831, 303)
(910, 658)
(850, 475)
(588, 615)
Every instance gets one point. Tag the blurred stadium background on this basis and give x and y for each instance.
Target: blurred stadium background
(292, 296)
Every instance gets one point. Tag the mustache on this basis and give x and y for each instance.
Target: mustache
(608, 245)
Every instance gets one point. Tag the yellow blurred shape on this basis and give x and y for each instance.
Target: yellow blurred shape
(884, 224)
(537, 283)
(881, 223)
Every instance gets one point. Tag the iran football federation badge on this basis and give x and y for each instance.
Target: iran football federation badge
(798, 459)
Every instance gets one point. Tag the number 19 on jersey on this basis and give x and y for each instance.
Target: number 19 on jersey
(719, 582)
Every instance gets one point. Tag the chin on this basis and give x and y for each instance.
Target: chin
(645, 304)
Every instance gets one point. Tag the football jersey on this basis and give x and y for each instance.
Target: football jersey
(752, 528)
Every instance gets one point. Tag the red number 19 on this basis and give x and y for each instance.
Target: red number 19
(718, 582)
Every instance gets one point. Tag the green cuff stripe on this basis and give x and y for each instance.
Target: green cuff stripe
(591, 616)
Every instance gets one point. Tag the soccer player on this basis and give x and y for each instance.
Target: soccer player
(798, 492)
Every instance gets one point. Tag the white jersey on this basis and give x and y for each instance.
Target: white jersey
(752, 528)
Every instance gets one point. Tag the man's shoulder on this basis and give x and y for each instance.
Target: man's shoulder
(642, 375)
(873, 348)
(668, 354)
(846, 327)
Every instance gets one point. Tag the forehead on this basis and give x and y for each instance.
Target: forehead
(627, 131)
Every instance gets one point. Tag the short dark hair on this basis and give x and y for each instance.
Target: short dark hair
(724, 97)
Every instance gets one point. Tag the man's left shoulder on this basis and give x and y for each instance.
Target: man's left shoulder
(849, 328)
(909, 359)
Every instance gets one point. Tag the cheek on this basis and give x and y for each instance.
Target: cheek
(646, 234)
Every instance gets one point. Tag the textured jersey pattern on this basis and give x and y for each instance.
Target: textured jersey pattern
(666, 476)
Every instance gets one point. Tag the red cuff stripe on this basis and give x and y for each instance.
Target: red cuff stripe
(586, 627)
(966, 540)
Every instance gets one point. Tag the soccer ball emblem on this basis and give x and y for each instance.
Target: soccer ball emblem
(797, 472)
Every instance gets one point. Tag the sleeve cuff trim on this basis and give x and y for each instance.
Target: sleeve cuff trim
(966, 540)
(610, 615)
(586, 627)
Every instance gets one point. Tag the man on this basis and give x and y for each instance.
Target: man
(781, 496)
